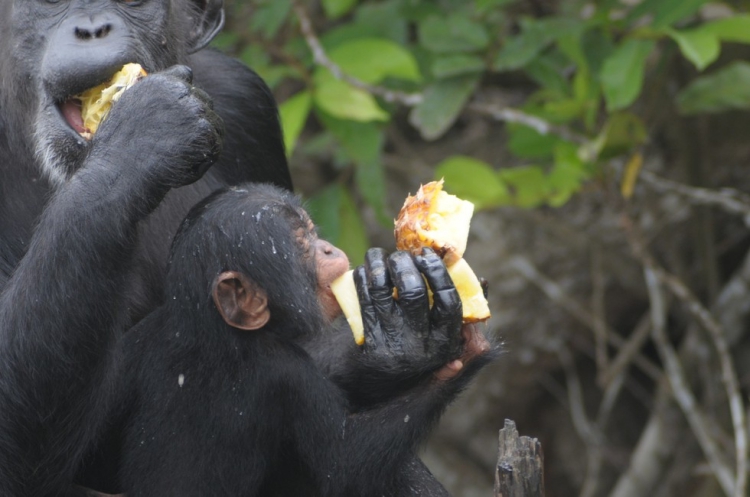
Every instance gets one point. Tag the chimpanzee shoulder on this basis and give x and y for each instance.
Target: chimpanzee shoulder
(253, 149)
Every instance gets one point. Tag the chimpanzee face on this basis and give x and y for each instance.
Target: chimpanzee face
(56, 49)
(329, 262)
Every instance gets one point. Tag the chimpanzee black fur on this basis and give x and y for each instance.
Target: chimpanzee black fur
(212, 409)
(85, 226)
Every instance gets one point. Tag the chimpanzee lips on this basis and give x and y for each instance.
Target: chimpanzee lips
(71, 111)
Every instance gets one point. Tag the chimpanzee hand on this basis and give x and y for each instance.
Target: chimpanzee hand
(163, 128)
(402, 330)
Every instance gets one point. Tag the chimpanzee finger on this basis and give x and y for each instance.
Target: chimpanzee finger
(181, 72)
(412, 291)
(447, 312)
(373, 333)
(203, 97)
(380, 287)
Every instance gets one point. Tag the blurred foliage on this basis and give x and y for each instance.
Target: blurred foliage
(589, 63)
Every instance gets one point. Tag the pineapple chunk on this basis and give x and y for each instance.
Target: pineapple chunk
(96, 101)
(475, 307)
(431, 218)
(346, 294)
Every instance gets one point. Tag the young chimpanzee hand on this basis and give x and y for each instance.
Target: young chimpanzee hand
(402, 328)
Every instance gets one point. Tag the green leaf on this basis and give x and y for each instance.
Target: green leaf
(528, 143)
(342, 100)
(732, 29)
(385, 18)
(725, 89)
(697, 45)
(373, 59)
(337, 8)
(665, 12)
(528, 185)
(623, 132)
(622, 73)
(456, 33)
(443, 102)
(269, 16)
(567, 175)
(535, 37)
(455, 65)
(472, 180)
(485, 5)
(293, 114)
(324, 211)
(363, 144)
(334, 212)
(547, 71)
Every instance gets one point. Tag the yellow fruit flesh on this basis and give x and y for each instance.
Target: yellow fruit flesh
(346, 294)
(96, 101)
(431, 218)
(475, 307)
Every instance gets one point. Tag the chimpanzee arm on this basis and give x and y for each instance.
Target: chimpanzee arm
(369, 452)
(59, 311)
(399, 354)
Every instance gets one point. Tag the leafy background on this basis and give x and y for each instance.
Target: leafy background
(605, 145)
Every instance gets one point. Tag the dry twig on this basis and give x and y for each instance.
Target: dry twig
(728, 374)
(680, 389)
(557, 294)
(730, 200)
(321, 58)
(504, 114)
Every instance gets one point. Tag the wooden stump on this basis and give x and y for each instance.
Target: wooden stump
(520, 465)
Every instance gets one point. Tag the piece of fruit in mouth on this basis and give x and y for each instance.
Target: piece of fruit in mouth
(86, 111)
(430, 218)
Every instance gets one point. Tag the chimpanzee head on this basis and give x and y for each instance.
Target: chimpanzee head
(252, 257)
(52, 50)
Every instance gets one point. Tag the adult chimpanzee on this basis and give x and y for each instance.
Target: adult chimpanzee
(218, 394)
(83, 230)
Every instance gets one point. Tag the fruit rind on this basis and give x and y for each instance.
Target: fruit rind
(433, 218)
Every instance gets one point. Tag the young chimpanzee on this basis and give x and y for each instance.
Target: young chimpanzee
(218, 395)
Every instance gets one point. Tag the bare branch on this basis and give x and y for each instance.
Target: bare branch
(597, 305)
(660, 437)
(509, 115)
(680, 389)
(557, 294)
(504, 114)
(730, 200)
(728, 374)
(627, 352)
(321, 58)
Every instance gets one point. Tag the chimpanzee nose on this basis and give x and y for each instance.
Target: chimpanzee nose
(93, 31)
(85, 50)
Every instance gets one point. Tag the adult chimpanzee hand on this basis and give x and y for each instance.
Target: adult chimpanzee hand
(402, 329)
(164, 128)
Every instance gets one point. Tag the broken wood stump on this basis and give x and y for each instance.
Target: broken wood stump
(520, 465)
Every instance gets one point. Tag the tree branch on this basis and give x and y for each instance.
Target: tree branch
(730, 200)
(680, 389)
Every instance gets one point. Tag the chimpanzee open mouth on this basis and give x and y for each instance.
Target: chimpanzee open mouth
(70, 110)
(85, 110)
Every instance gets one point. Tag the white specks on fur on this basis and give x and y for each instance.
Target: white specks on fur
(181, 380)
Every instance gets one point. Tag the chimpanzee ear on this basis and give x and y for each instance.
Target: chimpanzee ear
(242, 303)
(208, 21)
